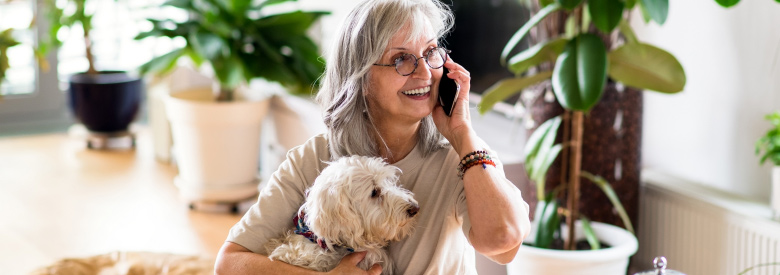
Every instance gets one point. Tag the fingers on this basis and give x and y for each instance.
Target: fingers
(375, 270)
(355, 258)
(461, 76)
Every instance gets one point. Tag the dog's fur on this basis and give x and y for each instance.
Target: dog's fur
(356, 203)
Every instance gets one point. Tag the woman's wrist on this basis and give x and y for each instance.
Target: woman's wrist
(468, 143)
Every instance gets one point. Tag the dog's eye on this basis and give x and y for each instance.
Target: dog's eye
(375, 193)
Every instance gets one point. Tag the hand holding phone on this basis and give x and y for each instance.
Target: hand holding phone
(448, 92)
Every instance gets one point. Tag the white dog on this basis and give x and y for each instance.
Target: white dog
(354, 205)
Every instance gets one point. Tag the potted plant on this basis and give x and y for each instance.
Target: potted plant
(768, 147)
(216, 132)
(106, 102)
(6, 41)
(585, 56)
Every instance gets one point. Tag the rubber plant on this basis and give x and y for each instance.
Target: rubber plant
(577, 61)
(269, 45)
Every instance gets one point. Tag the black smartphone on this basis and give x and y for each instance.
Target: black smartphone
(448, 92)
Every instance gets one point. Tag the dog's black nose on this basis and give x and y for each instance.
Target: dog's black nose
(413, 210)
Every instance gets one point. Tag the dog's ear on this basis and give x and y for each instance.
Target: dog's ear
(330, 214)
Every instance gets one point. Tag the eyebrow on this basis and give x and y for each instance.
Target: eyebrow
(405, 49)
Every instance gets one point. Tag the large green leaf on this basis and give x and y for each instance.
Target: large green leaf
(657, 9)
(545, 51)
(606, 14)
(613, 198)
(525, 29)
(505, 88)
(730, 3)
(630, 4)
(580, 73)
(647, 67)
(549, 222)
(569, 4)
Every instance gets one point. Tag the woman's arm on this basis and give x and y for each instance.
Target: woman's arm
(236, 259)
(498, 214)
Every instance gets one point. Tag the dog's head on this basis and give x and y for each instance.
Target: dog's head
(356, 202)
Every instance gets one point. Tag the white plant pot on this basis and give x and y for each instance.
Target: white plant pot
(216, 145)
(775, 197)
(610, 261)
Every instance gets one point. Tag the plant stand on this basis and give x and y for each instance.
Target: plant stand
(612, 260)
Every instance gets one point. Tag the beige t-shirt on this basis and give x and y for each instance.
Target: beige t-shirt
(439, 244)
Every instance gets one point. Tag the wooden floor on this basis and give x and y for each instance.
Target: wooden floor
(59, 199)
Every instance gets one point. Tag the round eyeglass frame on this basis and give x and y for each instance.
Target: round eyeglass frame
(416, 59)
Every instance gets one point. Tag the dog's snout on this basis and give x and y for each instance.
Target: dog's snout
(413, 209)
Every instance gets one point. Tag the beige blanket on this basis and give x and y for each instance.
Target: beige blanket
(131, 263)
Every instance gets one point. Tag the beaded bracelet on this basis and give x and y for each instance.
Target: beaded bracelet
(472, 159)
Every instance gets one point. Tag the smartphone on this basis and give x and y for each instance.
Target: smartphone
(448, 92)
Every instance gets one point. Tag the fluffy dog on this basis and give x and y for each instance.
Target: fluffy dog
(355, 204)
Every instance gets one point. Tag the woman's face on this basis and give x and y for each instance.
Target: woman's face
(404, 98)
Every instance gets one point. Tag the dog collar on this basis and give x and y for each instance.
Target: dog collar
(303, 230)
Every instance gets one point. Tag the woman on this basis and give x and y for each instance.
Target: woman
(379, 94)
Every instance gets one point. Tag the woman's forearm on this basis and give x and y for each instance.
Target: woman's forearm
(235, 259)
(499, 216)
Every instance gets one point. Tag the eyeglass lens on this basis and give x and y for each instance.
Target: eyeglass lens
(407, 63)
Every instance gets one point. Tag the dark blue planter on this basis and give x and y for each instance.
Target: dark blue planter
(106, 102)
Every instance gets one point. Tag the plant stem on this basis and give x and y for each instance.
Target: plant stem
(225, 94)
(90, 57)
(574, 176)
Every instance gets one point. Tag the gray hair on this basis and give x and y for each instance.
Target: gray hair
(361, 41)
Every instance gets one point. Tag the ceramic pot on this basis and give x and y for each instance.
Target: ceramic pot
(608, 261)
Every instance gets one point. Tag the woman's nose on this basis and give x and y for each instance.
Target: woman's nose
(423, 71)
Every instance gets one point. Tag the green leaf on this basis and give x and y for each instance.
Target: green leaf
(542, 166)
(536, 140)
(163, 63)
(580, 73)
(613, 198)
(647, 67)
(657, 9)
(590, 235)
(229, 70)
(545, 51)
(544, 3)
(606, 14)
(506, 88)
(569, 4)
(628, 32)
(525, 29)
(549, 222)
(630, 4)
(730, 3)
(209, 45)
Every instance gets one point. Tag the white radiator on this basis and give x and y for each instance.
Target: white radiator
(702, 231)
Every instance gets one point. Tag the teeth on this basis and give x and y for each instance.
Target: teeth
(419, 91)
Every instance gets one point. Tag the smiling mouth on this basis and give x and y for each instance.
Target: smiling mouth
(418, 91)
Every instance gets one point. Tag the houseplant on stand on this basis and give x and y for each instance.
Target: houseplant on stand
(768, 147)
(106, 102)
(216, 132)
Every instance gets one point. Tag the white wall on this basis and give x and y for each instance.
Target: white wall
(732, 61)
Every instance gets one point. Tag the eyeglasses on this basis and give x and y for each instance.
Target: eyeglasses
(406, 64)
